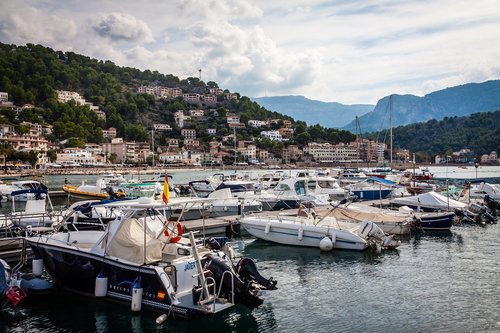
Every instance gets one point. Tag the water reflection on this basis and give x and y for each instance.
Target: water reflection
(303, 256)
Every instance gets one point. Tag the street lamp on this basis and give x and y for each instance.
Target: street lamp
(476, 165)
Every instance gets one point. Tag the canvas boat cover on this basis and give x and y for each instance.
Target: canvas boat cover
(429, 200)
(359, 215)
(128, 243)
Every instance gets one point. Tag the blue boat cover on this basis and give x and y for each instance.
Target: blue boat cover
(381, 181)
(31, 190)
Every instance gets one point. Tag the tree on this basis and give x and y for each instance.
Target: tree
(52, 155)
(112, 158)
(5, 150)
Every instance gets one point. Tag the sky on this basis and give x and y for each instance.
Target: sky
(351, 52)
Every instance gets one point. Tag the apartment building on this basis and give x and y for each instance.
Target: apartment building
(328, 153)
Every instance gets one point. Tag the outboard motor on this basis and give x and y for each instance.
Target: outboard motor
(245, 292)
(492, 205)
(247, 270)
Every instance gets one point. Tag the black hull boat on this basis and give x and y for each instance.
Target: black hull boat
(142, 260)
(437, 221)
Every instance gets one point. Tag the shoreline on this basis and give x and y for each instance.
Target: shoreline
(158, 170)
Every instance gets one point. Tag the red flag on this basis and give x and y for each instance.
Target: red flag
(166, 192)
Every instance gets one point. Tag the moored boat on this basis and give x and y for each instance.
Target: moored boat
(97, 191)
(141, 259)
(308, 230)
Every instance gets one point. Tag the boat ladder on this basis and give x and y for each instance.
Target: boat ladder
(210, 299)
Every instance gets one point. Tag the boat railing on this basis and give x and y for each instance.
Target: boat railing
(36, 219)
(213, 297)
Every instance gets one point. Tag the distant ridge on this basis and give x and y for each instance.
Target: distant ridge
(326, 114)
(454, 101)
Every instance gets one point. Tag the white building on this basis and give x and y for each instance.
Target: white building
(272, 135)
(191, 97)
(257, 123)
(75, 155)
(328, 153)
(4, 97)
(162, 127)
(179, 118)
(109, 133)
(64, 96)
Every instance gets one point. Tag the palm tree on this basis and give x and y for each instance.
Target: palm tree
(5, 150)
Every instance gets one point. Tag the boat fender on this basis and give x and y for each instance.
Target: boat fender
(33, 285)
(326, 244)
(177, 235)
(268, 227)
(15, 295)
(301, 233)
(136, 297)
(161, 319)
(37, 266)
(101, 285)
(333, 237)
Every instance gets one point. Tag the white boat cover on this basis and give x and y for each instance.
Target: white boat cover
(128, 244)
(347, 213)
(429, 200)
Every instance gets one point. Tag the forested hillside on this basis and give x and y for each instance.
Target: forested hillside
(479, 132)
(32, 74)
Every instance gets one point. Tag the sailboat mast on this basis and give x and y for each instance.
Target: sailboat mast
(390, 125)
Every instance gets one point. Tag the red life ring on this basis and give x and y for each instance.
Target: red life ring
(177, 235)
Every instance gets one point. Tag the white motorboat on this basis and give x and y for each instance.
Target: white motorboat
(223, 203)
(480, 189)
(326, 185)
(430, 201)
(37, 211)
(297, 189)
(307, 229)
(141, 259)
(7, 188)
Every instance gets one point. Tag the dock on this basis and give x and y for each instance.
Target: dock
(57, 194)
(225, 225)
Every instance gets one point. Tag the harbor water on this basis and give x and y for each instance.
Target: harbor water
(431, 283)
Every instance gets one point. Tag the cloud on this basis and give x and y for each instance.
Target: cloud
(123, 27)
(332, 50)
(22, 24)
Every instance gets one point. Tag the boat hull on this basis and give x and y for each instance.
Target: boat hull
(289, 234)
(74, 192)
(435, 221)
(76, 271)
(371, 194)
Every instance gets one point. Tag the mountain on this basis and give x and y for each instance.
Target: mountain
(455, 101)
(327, 114)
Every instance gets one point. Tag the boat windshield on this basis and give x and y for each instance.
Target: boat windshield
(282, 187)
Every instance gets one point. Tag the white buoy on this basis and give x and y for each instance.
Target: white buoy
(300, 236)
(37, 266)
(268, 227)
(136, 297)
(101, 285)
(161, 319)
(326, 244)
